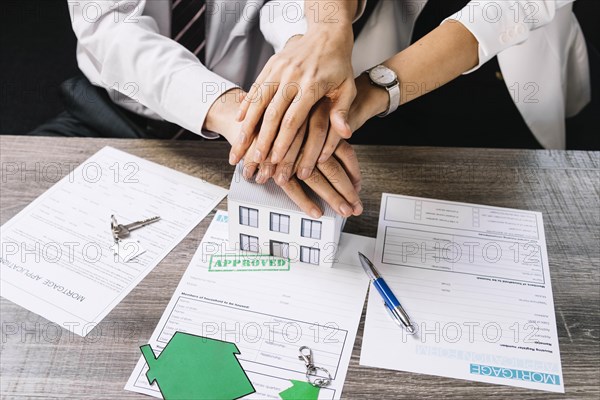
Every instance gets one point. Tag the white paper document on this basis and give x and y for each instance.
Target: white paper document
(58, 256)
(270, 314)
(475, 281)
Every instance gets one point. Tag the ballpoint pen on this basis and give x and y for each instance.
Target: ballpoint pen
(392, 305)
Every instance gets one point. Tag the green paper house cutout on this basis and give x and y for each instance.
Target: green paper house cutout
(195, 367)
(300, 391)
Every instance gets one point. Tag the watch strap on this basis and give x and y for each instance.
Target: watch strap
(394, 93)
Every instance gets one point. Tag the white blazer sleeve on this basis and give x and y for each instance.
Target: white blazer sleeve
(498, 25)
(281, 20)
(128, 49)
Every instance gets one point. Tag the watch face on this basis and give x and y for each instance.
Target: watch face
(382, 75)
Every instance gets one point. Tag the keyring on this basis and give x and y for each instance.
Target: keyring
(313, 379)
(311, 369)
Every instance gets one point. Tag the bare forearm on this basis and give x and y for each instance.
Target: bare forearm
(328, 14)
(221, 115)
(436, 59)
(441, 56)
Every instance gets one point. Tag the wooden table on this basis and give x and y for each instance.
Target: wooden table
(42, 362)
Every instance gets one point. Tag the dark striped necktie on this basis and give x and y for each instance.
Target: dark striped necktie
(188, 26)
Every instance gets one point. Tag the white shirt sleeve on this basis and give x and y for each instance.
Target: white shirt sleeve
(127, 49)
(280, 20)
(498, 25)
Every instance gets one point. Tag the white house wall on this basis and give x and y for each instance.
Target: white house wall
(328, 244)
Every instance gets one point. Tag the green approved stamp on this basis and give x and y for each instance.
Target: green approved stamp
(244, 263)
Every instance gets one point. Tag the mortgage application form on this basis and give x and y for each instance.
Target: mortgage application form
(269, 315)
(475, 281)
(58, 256)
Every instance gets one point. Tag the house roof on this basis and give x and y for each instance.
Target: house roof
(270, 195)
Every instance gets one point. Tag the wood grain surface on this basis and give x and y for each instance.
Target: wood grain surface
(40, 361)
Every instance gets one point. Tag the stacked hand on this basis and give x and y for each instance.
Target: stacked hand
(292, 124)
(294, 119)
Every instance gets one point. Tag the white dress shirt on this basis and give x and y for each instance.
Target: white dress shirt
(125, 47)
(540, 47)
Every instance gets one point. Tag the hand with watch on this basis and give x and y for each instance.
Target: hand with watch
(385, 78)
(378, 94)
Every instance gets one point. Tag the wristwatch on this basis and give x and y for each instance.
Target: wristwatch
(386, 78)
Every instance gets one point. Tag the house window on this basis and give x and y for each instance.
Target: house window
(249, 217)
(309, 255)
(280, 223)
(311, 229)
(279, 249)
(249, 243)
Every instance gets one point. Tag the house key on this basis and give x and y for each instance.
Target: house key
(121, 231)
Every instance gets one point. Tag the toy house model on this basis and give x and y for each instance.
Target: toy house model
(264, 220)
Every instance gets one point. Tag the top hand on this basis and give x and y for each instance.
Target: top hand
(291, 83)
